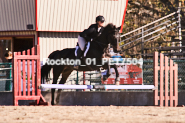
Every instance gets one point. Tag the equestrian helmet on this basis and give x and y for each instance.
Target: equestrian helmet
(100, 18)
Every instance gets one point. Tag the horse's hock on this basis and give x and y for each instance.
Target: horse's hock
(26, 84)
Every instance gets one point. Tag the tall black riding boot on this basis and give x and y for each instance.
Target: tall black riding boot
(79, 54)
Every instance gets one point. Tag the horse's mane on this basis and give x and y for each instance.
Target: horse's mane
(110, 26)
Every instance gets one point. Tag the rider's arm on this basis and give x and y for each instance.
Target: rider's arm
(86, 32)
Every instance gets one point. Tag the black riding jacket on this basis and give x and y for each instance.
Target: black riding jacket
(91, 32)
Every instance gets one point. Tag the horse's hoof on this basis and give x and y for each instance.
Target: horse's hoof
(117, 83)
(117, 80)
(52, 103)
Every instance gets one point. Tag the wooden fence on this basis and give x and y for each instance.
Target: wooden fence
(168, 86)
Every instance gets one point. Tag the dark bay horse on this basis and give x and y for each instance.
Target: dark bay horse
(96, 50)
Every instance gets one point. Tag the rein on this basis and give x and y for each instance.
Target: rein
(99, 43)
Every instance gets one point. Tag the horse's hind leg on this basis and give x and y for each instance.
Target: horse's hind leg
(65, 75)
(105, 77)
(117, 80)
(56, 74)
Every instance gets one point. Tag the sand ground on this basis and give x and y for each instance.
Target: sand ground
(91, 114)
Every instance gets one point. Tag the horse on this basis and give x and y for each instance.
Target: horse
(96, 50)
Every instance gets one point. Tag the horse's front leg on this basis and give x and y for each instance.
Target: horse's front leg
(52, 96)
(56, 74)
(117, 79)
(65, 75)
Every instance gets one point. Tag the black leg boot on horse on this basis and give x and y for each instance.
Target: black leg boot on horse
(79, 54)
(105, 77)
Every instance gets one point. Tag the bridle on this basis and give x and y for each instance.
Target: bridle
(106, 44)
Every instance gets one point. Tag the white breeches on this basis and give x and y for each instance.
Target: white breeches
(81, 42)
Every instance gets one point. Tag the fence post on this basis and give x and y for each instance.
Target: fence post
(179, 19)
(76, 79)
(142, 52)
(176, 84)
(171, 83)
(84, 79)
(8, 76)
(166, 82)
(38, 72)
(19, 78)
(156, 68)
(161, 79)
(11, 77)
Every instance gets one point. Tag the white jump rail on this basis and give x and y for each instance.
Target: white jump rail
(62, 86)
(5, 68)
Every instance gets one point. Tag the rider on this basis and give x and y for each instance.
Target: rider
(88, 35)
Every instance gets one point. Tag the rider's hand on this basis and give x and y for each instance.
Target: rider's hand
(88, 39)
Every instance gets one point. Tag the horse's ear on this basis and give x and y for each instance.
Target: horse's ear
(119, 28)
(114, 27)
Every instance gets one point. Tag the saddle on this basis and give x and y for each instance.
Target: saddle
(86, 49)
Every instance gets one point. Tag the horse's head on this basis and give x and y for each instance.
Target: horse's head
(113, 36)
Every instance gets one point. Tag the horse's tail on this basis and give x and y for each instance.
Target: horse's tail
(45, 70)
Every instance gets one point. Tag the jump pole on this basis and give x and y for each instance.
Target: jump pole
(62, 86)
